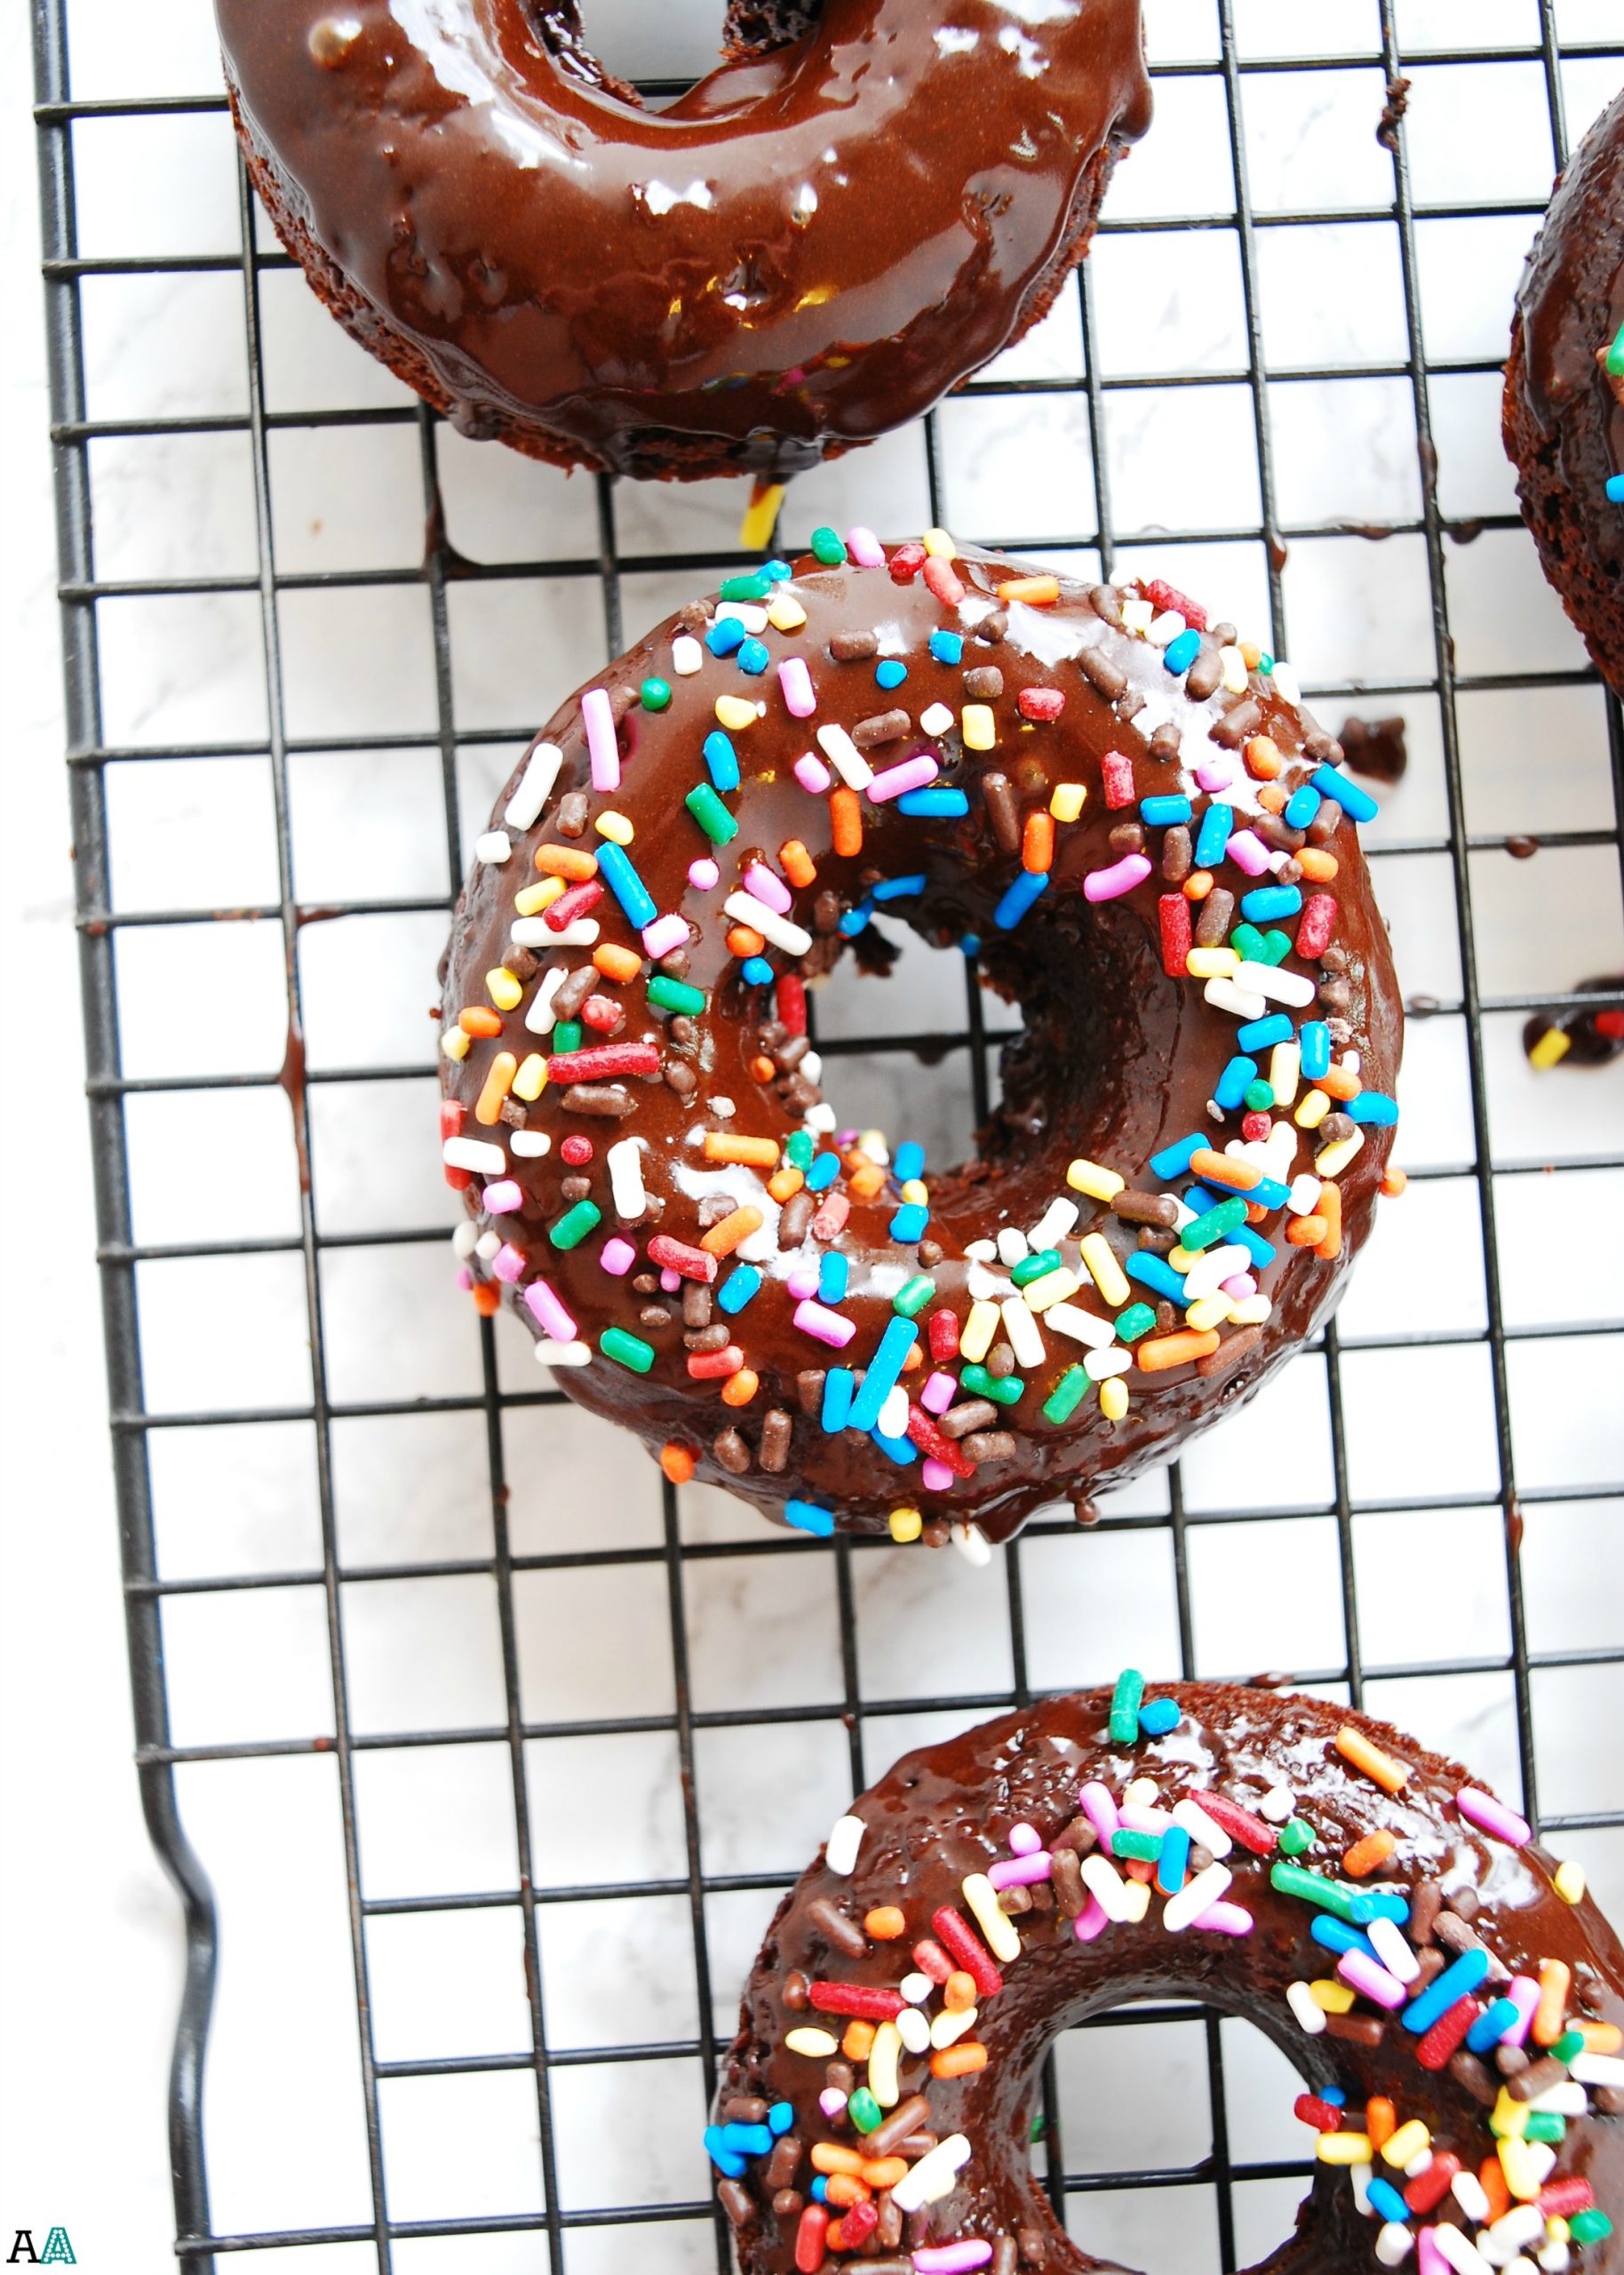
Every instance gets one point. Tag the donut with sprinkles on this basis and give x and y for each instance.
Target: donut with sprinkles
(1121, 815)
(1448, 1992)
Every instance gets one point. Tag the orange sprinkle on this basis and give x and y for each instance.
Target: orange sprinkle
(1273, 798)
(677, 1462)
(1262, 756)
(1394, 1182)
(1601, 2038)
(1308, 1232)
(857, 2047)
(762, 1069)
(1361, 1860)
(739, 1389)
(1493, 2179)
(1354, 1746)
(743, 940)
(1339, 1083)
(617, 963)
(474, 1019)
(845, 822)
(487, 1298)
(498, 1082)
(885, 1923)
(1037, 592)
(1224, 1168)
(1164, 1351)
(1255, 1212)
(752, 1153)
(1038, 842)
(722, 1239)
(959, 1992)
(1198, 884)
(1381, 2120)
(845, 2188)
(1315, 862)
(960, 2061)
(883, 2172)
(797, 863)
(1251, 654)
(1329, 1206)
(1551, 2015)
(831, 2157)
(566, 862)
(865, 1183)
(786, 1182)
(1138, 1868)
(915, 1358)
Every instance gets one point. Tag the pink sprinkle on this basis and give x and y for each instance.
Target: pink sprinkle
(952, 2258)
(507, 1263)
(1523, 1993)
(1428, 2259)
(1122, 876)
(1239, 1285)
(599, 720)
(768, 888)
(1248, 851)
(465, 1276)
(865, 549)
(935, 1476)
(829, 1327)
(1020, 1871)
(913, 774)
(800, 698)
(670, 1280)
(812, 774)
(1088, 1924)
(1100, 1810)
(664, 934)
(844, 1138)
(551, 1316)
(803, 1281)
(1373, 1982)
(1483, 1810)
(832, 2101)
(938, 1393)
(1222, 1918)
(1215, 773)
(703, 873)
(1024, 1840)
(1134, 1819)
(617, 1257)
(501, 1199)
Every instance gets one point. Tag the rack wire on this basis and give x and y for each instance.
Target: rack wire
(868, 1721)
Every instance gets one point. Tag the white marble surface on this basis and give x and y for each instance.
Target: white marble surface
(90, 1931)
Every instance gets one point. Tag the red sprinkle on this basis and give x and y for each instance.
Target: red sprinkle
(1442, 2040)
(1040, 703)
(676, 1256)
(831, 1215)
(712, 1366)
(1254, 1128)
(858, 2223)
(1323, 2116)
(934, 1446)
(600, 1060)
(1117, 774)
(1565, 2195)
(871, 2002)
(602, 1013)
(809, 2240)
(1429, 2188)
(791, 1002)
(1318, 920)
(957, 1937)
(906, 563)
(1250, 1831)
(1172, 910)
(1611, 1025)
(943, 1333)
(931, 1959)
(451, 1111)
(576, 901)
(942, 579)
(576, 1151)
(1165, 595)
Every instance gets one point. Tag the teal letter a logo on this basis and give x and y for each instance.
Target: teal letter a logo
(58, 2252)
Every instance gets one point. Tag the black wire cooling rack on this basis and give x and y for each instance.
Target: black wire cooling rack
(868, 1721)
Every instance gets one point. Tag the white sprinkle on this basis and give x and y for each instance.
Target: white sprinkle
(496, 846)
(1597, 2069)
(1303, 2004)
(1195, 1897)
(935, 719)
(1286, 685)
(687, 655)
(1520, 2225)
(1306, 1190)
(847, 762)
(1212, 1269)
(1271, 980)
(1195, 1822)
(1224, 995)
(1470, 2195)
(475, 1153)
(1394, 2244)
(845, 1838)
(748, 613)
(533, 932)
(541, 1019)
(1081, 1326)
(1137, 615)
(1011, 1244)
(1361, 2176)
(1278, 1803)
(981, 1251)
(1025, 1335)
(1165, 628)
(923, 2182)
(746, 909)
(1055, 1221)
(1099, 1364)
(532, 1143)
(893, 1412)
(1568, 2099)
(465, 1240)
(984, 1286)
(914, 2030)
(723, 1108)
(625, 1168)
(1392, 1948)
(915, 1989)
(972, 1545)
(1234, 667)
(1103, 1880)
(820, 1117)
(535, 786)
(563, 1354)
(948, 2027)
(487, 1245)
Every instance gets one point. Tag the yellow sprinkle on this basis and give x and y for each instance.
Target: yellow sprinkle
(976, 726)
(817, 2044)
(1136, 1898)
(454, 1043)
(1331, 1161)
(1207, 1311)
(905, 1524)
(1331, 1998)
(531, 1080)
(1402, 2147)
(1210, 963)
(1066, 802)
(785, 613)
(735, 714)
(1343, 2148)
(1103, 1269)
(916, 1190)
(1522, 2175)
(1143, 1793)
(755, 530)
(1313, 1110)
(883, 2057)
(1057, 1287)
(996, 1926)
(1570, 1881)
(1179, 1260)
(1284, 1066)
(1137, 616)
(503, 988)
(937, 542)
(1552, 1046)
(1113, 1398)
(1233, 664)
(535, 898)
(1099, 1184)
(1556, 2229)
(611, 825)
(1508, 2118)
(979, 1329)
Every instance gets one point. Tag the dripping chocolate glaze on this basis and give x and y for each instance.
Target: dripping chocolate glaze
(1118, 1060)
(947, 1810)
(807, 249)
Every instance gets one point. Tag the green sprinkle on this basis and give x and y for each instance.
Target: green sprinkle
(1067, 1394)
(1258, 1097)
(1314, 1888)
(912, 1297)
(712, 815)
(1137, 1319)
(827, 547)
(1217, 1223)
(567, 1035)
(1265, 664)
(626, 1350)
(758, 585)
(1146, 1845)
(1126, 1701)
(1589, 2226)
(1276, 944)
(1296, 1838)
(863, 2111)
(1003, 1390)
(656, 694)
(1034, 1267)
(1037, 2128)
(799, 1150)
(572, 1228)
(1247, 942)
(1615, 356)
(1544, 2124)
(1569, 2046)
(676, 995)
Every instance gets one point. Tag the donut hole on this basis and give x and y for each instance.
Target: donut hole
(633, 46)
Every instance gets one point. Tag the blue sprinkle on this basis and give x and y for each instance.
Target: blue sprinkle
(747, 2140)
(1180, 654)
(1492, 2025)
(833, 1274)
(1381, 1903)
(1270, 901)
(776, 572)
(1440, 1995)
(1172, 1161)
(1337, 1936)
(970, 944)
(1019, 898)
(1614, 488)
(937, 800)
(1175, 1847)
(891, 672)
(1268, 1192)
(1372, 1105)
(947, 647)
(780, 2117)
(822, 1173)
(1384, 2197)
(1155, 1272)
(820, 2190)
(757, 970)
(1257, 1034)
(908, 1222)
(1301, 807)
(730, 2167)
(908, 1161)
(882, 1372)
(1314, 1038)
(854, 921)
(739, 1287)
(754, 657)
(900, 888)
(1257, 1247)
(1231, 1089)
(726, 636)
(1336, 2097)
(1163, 813)
(722, 759)
(615, 869)
(902, 1451)
(806, 1516)
(838, 1387)
(1217, 826)
(1357, 803)
(1157, 1717)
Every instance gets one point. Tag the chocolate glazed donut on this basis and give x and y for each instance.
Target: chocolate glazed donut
(1261, 1825)
(1564, 406)
(635, 1112)
(862, 204)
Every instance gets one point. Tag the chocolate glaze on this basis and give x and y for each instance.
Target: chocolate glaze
(1563, 418)
(946, 1811)
(807, 249)
(1595, 1038)
(1116, 1061)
